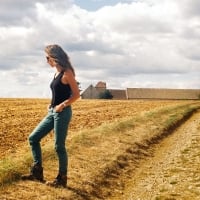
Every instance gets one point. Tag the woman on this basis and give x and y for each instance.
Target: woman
(65, 91)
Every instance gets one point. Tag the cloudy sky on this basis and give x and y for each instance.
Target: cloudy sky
(127, 43)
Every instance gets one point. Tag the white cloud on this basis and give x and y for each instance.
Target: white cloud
(143, 43)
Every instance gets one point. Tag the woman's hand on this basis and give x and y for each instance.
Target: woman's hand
(59, 108)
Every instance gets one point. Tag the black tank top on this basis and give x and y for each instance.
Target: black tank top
(60, 91)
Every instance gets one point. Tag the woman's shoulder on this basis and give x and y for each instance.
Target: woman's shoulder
(68, 72)
(67, 76)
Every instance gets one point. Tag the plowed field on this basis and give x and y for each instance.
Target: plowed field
(20, 116)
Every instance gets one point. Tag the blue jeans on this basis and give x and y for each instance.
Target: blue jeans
(59, 123)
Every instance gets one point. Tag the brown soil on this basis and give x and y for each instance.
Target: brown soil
(20, 116)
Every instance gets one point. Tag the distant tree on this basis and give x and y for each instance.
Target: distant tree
(106, 94)
(79, 85)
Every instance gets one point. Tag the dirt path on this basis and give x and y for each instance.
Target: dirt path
(174, 170)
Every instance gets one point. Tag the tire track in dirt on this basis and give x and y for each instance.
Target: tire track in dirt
(165, 174)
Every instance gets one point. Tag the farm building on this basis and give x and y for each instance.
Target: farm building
(118, 94)
(141, 93)
(159, 93)
(93, 92)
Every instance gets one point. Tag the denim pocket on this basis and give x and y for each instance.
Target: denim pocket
(50, 110)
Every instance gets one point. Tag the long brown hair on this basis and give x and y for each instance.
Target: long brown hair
(60, 57)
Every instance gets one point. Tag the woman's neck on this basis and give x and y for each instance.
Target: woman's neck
(59, 69)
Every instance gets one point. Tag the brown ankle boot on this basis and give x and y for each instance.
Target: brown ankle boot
(36, 173)
(60, 181)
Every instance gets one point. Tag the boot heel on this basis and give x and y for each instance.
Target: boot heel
(60, 181)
